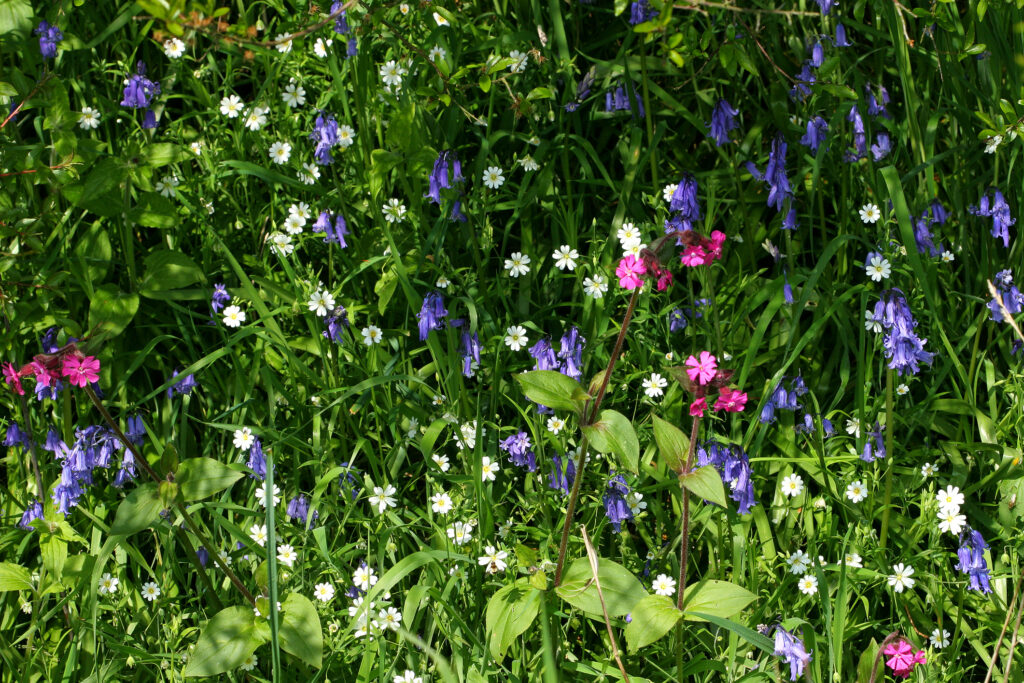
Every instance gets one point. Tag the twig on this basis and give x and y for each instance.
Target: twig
(1006, 622)
(594, 566)
(27, 98)
(1002, 307)
(1013, 642)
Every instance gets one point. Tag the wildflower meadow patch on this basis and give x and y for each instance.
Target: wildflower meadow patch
(512, 341)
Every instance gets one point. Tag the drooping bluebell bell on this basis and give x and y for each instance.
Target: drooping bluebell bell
(787, 290)
(203, 555)
(183, 386)
(325, 134)
(774, 173)
(802, 81)
(882, 146)
(618, 100)
(298, 510)
(340, 22)
(51, 391)
(903, 348)
(877, 107)
(347, 480)
(352, 49)
(923, 236)
(782, 398)
(641, 11)
(139, 91)
(220, 298)
(54, 444)
(561, 478)
(860, 138)
(49, 36)
(971, 556)
(336, 323)
(48, 342)
(33, 511)
(570, 353)
(456, 214)
(826, 5)
(136, 430)
(616, 509)
(470, 353)
(789, 221)
(676, 320)
(149, 119)
(16, 436)
(874, 447)
(432, 314)
(582, 90)
(685, 205)
(840, 40)
(723, 120)
(1012, 298)
(439, 176)
(817, 128)
(817, 54)
(332, 226)
(68, 491)
(543, 355)
(733, 465)
(788, 646)
(127, 472)
(518, 448)
(939, 213)
(999, 211)
(257, 461)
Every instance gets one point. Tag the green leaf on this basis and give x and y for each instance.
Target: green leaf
(140, 510)
(485, 82)
(621, 589)
(706, 483)
(673, 444)
(652, 618)
(110, 310)
(540, 94)
(748, 634)
(14, 577)
(717, 598)
(154, 211)
(7, 90)
(15, 16)
(510, 612)
(167, 269)
(300, 630)
(226, 641)
(202, 477)
(842, 91)
(866, 662)
(163, 153)
(264, 174)
(93, 251)
(54, 550)
(613, 433)
(553, 389)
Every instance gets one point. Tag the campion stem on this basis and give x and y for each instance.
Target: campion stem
(884, 536)
(32, 453)
(193, 527)
(684, 545)
(588, 419)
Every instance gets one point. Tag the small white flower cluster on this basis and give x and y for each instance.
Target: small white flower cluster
(950, 520)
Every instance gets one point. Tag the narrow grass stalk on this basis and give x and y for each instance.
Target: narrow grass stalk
(268, 488)
(684, 546)
(889, 423)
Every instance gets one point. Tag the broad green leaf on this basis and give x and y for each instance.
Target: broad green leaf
(673, 444)
(706, 483)
(264, 174)
(613, 433)
(748, 634)
(717, 598)
(553, 389)
(93, 251)
(300, 631)
(163, 153)
(140, 510)
(202, 477)
(652, 618)
(110, 310)
(154, 211)
(14, 577)
(54, 550)
(15, 15)
(228, 638)
(540, 94)
(621, 589)
(167, 269)
(510, 612)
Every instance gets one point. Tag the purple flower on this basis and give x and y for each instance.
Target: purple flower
(903, 348)
(787, 291)
(971, 555)
(815, 135)
(774, 173)
(874, 447)
(841, 40)
(432, 314)
(685, 204)
(826, 5)
(882, 146)
(877, 107)
(570, 352)
(923, 236)
(340, 22)
(348, 480)
(561, 479)
(298, 510)
(939, 213)
(67, 492)
(183, 386)
(641, 11)
(804, 79)
(723, 121)
(333, 227)
(782, 398)
(615, 506)
(787, 645)
(543, 355)
(817, 55)
(617, 100)
(33, 512)
(999, 211)
(470, 353)
(456, 214)
(352, 49)
(48, 342)
(127, 471)
(49, 36)
(734, 467)
(789, 222)
(677, 320)
(439, 175)
(257, 461)
(336, 323)
(220, 298)
(860, 138)
(54, 444)
(16, 437)
(519, 452)
(139, 91)
(1012, 298)
(135, 430)
(203, 554)
(325, 134)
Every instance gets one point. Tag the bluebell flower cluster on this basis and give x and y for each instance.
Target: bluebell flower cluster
(446, 172)
(582, 90)
(774, 174)
(432, 314)
(470, 353)
(33, 511)
(903, 348)
(817, 128)
(519, 450)
(1012, 298)
(971, 555)
(805, 425)
(641, 11)
(618, 100)
(874, 447)
(568, 360)
(139, 92)
(93, 448)
(183, 386)
(782, 398)
(341, 27)
(616, 509)
(325, 135)
(257, 461)
(333, 227)
(219, 299)
(298, 510)
(16, 436)
(734, 467)
(998, 210)
(792, 650)
(336, 323)
(860, 136)
(935, 215)
(562, 478)
(684, 205)
(723, 120)
(49, 36)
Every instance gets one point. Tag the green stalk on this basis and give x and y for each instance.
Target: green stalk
(889, 420)
(684, 547)
(268, 487)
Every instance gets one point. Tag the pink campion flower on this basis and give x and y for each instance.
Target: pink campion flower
(698, 407)
(81, 371)
(629, 271)
(701, 370)
(44, 375)
(903, 658)
(731, 401)
(716, 242)
(12, 377)
(664, 280)
(694, 256)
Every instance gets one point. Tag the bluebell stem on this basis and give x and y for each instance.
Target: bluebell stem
(999, 211)
(815, 135)
(432, 314)
(722, 121)
(1012, 298)
(615, 506)
(792, 649)
(971, 555)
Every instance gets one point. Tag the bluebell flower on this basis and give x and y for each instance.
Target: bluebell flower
(543, 355)
(882, 146)
(971, 555)
(860, 138)
(615, 506)
(347, 480)
(340, 22)
(676, 320)
(432, 314)
(570, 352)
(54, 444)
(787, 291)
(127, 472)
(325, 134)
(32, 512)
(470, 353)
(802, 82)
(787, 645)
(774, 174)
(16, 436)
(826, 5)
(874, 447)
(733, 465)
(67, 492)
(817, 55)
(939, 213)
(139, 91)
(49, 36)
(617, 100)
(789, 222)
(352, 49)
(48, 342)
(999, 211)
(220, 298)
(183, 386)
(782, 398)
(841, 40)
(333, 227)
(1012, 298)
(135, 430)
(257, 461)
(439, 176)
(149, 119)
(903, 348)
(923, 236)
(877, 107)
(722, 121)
(298, 510)
(43, 391)
(641, 11)
(582, 90)
(456, 214)
(562, 478)
(815, 135)
(204, 555)
(518, 448)
(685, 204)
(336, 323)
